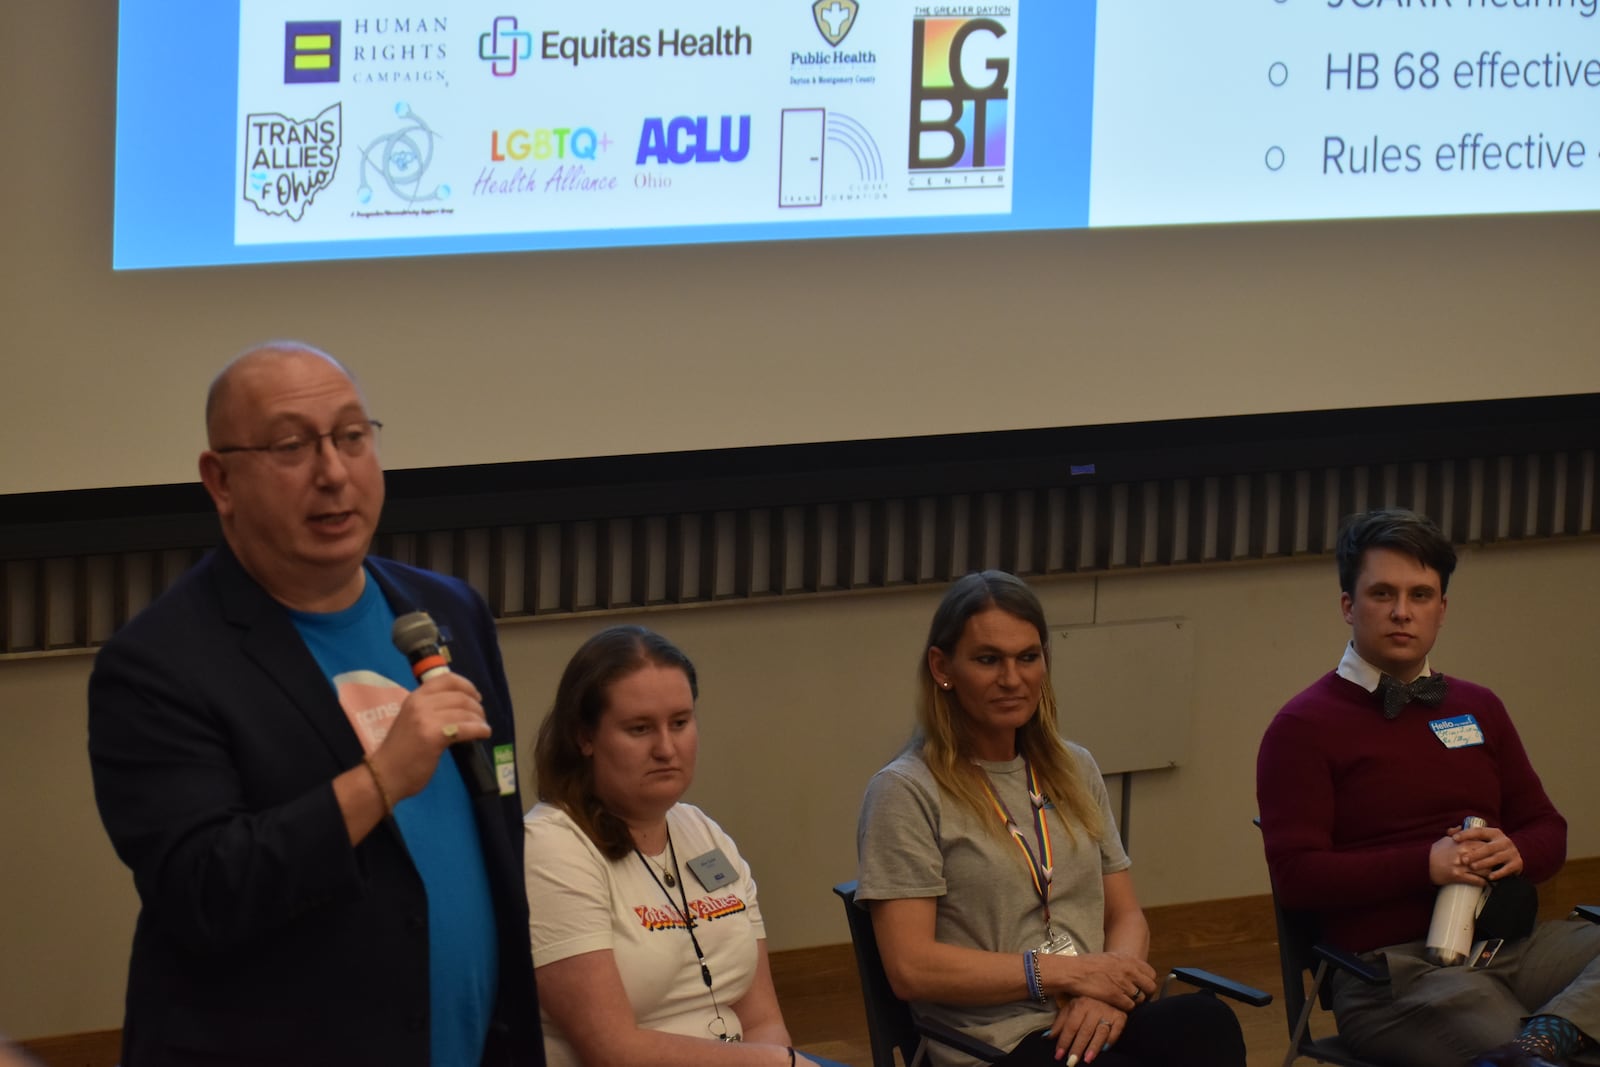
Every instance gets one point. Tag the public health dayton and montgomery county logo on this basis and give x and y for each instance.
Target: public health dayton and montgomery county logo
(310, 52)
(834, 19)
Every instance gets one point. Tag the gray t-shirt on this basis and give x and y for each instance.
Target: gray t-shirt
(914, 841)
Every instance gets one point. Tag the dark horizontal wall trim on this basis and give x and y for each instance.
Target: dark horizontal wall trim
(142, 518)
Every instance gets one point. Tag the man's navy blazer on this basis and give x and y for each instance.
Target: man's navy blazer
(263, 936)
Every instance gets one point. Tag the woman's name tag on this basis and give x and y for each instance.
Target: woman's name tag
(1058, 944)
(712, 870)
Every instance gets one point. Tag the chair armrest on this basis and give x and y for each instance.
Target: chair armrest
(1215, 983)
(1350, 964)
(1587, 911)
(945, 1035)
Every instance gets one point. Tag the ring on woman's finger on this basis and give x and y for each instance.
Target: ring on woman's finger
(1103, 1022)
(450, 729)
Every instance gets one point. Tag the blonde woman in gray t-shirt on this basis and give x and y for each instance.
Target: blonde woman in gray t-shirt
(989, 859)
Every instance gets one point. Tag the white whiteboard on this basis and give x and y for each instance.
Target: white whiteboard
(1125, 691)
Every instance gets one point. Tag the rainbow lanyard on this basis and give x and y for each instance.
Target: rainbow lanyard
(1041, 866)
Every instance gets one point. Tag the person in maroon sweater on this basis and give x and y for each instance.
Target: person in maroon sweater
(1364, 780)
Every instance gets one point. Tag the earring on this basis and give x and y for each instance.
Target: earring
(944, 685)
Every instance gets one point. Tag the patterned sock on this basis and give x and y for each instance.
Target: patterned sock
(1552, 1038)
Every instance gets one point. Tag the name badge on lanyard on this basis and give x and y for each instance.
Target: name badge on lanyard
(1462, 731)
(713, 870)
(1058, 943)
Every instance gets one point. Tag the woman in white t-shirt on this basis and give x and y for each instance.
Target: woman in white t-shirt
(648, 942)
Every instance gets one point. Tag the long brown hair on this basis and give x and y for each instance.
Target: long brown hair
(943, 732)
(566, 775)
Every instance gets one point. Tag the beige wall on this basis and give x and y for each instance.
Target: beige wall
(801, 701)
(730, 345)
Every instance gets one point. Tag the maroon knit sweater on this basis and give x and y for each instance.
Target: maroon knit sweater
(1351, 802)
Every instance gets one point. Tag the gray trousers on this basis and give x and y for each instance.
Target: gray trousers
(1443, 1016)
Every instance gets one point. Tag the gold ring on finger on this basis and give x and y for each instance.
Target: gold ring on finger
(451, 729)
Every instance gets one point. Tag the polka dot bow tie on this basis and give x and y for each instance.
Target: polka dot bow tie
(1428, 690)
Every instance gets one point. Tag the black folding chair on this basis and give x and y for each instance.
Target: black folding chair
(890, 1024)
(1300, 953)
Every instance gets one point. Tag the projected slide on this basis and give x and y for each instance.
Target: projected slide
(1303, 109)
(616, 115)
(346, 129)
(342, 129)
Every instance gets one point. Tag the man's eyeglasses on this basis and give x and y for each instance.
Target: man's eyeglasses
(353, 440)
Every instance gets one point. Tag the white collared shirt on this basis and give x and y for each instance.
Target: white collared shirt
(1352, 668)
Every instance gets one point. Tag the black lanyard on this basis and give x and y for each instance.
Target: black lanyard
(688, 926)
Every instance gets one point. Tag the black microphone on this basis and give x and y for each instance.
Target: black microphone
(417, 636)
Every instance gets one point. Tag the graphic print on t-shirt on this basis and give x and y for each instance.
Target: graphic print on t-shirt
(705, 909)
(371, 702)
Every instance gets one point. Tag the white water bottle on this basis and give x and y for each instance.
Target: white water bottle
(1455, 912)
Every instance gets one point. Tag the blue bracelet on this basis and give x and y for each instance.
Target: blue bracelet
(1030, 970)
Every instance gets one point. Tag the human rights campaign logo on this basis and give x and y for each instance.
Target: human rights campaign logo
(310, 52)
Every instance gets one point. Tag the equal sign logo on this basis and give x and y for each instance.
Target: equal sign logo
(310, 52)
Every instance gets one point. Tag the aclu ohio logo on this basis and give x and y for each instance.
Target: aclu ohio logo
(691, 139)
(288, 161)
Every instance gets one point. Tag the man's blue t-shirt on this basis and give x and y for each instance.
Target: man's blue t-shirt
(372, 679)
